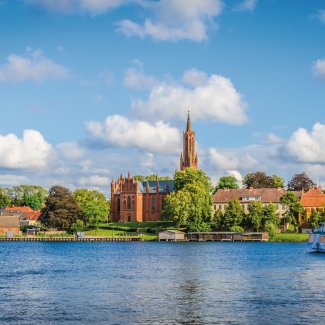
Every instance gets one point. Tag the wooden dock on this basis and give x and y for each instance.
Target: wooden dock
(71, 239)
(227, 236)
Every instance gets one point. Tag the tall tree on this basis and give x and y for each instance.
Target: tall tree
(255, 214)
(94, 206)
(61, 209)
(258, 180)
(5, 199)
(300, 182)
(233, 215)
(294, 208)
(269, 215)
(278, 181)
(28, 195)
(314, 219)
(226, 182)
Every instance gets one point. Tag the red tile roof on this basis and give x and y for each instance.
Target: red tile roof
(313, 198)
(25, 212)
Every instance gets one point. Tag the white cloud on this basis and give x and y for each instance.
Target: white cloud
(29, 152)
(319, 68)
(307, 147)
(137, 80)
(12, 180)
(174, 20)
(34, 66)
(247, 5)
(210, 98)
(92, 7)
(71, 150)
(94, 180)
(231, 160)
(119, 131)
(273, 139)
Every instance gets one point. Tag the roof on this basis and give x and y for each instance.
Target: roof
(172, 231)
(313, 198)
(266, 195)
(22, 209)
(9, 221)
(24, 212)
(153, 186)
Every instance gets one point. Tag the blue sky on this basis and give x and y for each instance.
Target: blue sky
(90, 89)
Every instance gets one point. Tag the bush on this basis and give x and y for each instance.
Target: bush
(271, 229)
(236, 229)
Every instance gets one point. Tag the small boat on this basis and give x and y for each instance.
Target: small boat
(317, 239)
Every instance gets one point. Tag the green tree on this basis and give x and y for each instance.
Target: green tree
(314, 219)
(278, 181)
(61, 209)
(233, 215)
(226, 182)
(294, 207)
(77, 226)
(258, 180)
(256, 214)
(190, 175)
(300, 182)
(28, 195)
(5, 200)
(217, 220)
(142, 178)
(269, 215)
(94, 206)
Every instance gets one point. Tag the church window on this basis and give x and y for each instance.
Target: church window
(153, 203)
(129, 203)
(124, 205)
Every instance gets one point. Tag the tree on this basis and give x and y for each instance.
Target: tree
(217, 220)
(28, 195)
(94, 206)
(258, 180)
(269, 215)
(300, 182)
(278, 181)
(226, 182)
(77, 226)
(314, 219)
(142, 178)
(5, 200)
(294, 207)
(189, 175)
(255, 214)
(233, 215)
(61, 209)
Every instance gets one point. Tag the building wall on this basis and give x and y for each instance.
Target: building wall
(3, 230)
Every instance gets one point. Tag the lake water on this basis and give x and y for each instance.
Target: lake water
(161, 283)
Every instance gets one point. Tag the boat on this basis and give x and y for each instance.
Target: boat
(317, 239)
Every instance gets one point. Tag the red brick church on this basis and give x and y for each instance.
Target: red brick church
(132, 200)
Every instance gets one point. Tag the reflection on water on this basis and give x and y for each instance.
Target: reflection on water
(161, 283)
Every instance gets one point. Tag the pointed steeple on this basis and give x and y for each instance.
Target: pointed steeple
(189, 122)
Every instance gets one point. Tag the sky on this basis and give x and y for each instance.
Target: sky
(91, 89)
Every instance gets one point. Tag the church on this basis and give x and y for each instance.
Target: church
(132, 200)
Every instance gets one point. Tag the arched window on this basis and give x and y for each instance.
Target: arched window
(153, 203)
(129, 203)
(124, 205)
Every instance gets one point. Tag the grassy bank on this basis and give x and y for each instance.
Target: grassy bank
(289, 238)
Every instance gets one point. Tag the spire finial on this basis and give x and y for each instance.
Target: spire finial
(189, 123)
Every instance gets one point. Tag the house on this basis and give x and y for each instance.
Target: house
(9, 225)
(171, 235)
(27, 216)
(266, 196)
(312, 199)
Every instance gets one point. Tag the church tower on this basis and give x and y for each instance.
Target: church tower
(188, 158)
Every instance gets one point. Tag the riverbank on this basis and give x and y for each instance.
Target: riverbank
(289, 238)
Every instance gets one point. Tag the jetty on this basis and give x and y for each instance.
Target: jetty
(70, 239)
(227, 236)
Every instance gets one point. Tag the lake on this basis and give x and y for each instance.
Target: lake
(161, 283)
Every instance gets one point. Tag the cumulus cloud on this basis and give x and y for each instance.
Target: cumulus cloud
(319, 68)
(137, 80)
(70, 150)
(92, 7)
(231, 160)
(307, 147)
(29, 152)
(174, 20)
(34, 66)
(273, 139)
(208, 98)
(247, 5)
(12, 180)
(93, 181)
(119, 131)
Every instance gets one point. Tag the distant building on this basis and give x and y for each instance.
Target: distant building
(222, 198)
(27, 215)
(312, 199)
(9, 225)
(171, 235)
(132, 200)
